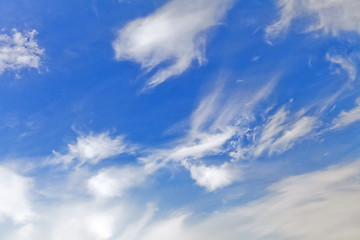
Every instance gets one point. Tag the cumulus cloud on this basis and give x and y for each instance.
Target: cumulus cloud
(317, 205)
(170, 38)
(71, 220)
(113, 182)
(92, 149)
(214, 177)
(19, 50)
(329, 16)
(14, 196)
(72, 213)
(346, 118)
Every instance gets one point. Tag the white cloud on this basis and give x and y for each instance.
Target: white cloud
(321, 204)
(216, 120)
(329, 16)
(299, 129)
(346, 118)
(113, 182)
(271, 130)
(92, 149)
(345, 63)
(167, 229)
(317, 205)
(132, 231)
(14, 196)
(281, 132)
(214, 177)
(19, 51)
(82, 220)
(72, 213)
(173, 36)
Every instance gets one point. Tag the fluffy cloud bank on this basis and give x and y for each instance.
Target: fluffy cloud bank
(172, 37)
(19, 51)
(329, 16)
(316, 205)
(14, 196)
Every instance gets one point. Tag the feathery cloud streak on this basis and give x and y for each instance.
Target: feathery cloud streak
(92, 149)
(329, 16)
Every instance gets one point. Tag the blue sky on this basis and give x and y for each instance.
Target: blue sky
(143, 120)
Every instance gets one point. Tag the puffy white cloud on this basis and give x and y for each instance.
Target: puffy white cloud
(171, 38)
(317, 205)
(92, 149)
(113, 182)
(19, 51)
(214, 177)
(73, 213)
(14, 196)
(78, 220)
(329, 16)
(346, 118)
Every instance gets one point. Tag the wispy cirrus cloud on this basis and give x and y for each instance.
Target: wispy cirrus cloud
(92, 149)
(346, 63)
(19, 50)
(329, 16)
(213, 125)
(346, 118)
(282, 131)
(170, 38)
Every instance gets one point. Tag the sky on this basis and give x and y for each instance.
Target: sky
(179, 119)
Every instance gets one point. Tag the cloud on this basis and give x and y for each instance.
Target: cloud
(346, 118)
(170, 38)
(92, 149)
(345, 63)
(281, 131)
(72, 213)
(14, 196)
(320, 204)
(113, 182)
(317, 205)
(78, 220)
(19, 51)
(213, 124)
(329, 16)
(214, 177)
(299, 129)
